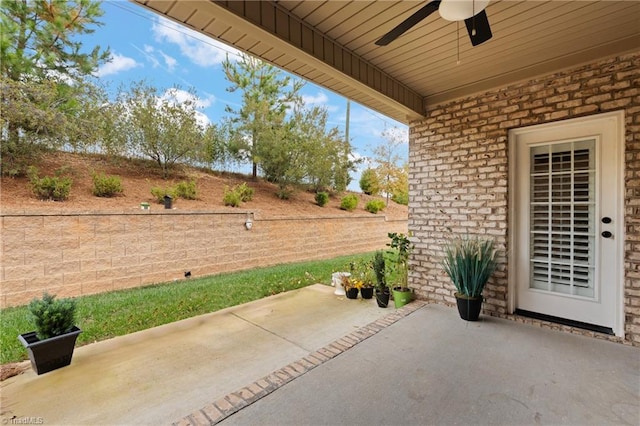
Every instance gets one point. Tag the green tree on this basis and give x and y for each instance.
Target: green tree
(283, 158)
(113, 128)
(38, 37)
(266, 97)
(218, 149)
(301, 150)
(159, 127)
(391, 174)
(400, 191)
(369, 182)
(44, 96)
(328, 160)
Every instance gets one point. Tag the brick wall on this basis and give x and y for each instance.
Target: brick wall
(79, 254)
(458, 179)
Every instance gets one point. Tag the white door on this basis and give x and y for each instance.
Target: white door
(566, 206)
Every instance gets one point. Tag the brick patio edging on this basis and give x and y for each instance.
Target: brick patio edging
(219, 410)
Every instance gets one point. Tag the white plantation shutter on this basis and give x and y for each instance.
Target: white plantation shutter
(562, 219)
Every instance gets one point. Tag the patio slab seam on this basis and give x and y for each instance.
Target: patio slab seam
(230, 404)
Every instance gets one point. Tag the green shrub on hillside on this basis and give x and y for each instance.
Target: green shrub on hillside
(349, 202)
(322, 198)
(159, 193)
(238, 194)
(374, 206)
(231, 198)
(56, 188)
(284, 193)
(106, 186)
(370, 182)
(186, 190)
(401, 198)
(245, 192)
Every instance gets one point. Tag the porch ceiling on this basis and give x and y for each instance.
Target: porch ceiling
(332, 43)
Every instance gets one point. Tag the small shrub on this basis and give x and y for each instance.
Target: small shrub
(370, 182)
(54, 188)
(322, 198)
(236, 195)
(231, 197)
(52, 317)
(159, 193)
(401, 198)
(349, 202)
(245, 192)
(186, 190)
(374, 206)
(106, 186)
(284, 193)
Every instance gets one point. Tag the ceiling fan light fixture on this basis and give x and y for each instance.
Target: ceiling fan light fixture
(459, 10)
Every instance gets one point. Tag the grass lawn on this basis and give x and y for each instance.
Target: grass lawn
(117, 313)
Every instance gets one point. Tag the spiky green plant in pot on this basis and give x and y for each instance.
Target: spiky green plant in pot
(470, 262)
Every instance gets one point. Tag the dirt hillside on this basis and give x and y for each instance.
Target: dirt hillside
(138, 177)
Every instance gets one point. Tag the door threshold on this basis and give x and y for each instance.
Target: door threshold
(564, 321)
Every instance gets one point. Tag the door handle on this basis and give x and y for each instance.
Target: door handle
(607, 234)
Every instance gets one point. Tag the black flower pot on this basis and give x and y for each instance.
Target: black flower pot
(382, 298)
(352, 293)
(366, 292)
(50, 354)
(469, 307)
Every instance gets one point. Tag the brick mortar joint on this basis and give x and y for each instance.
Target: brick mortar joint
(380, 325)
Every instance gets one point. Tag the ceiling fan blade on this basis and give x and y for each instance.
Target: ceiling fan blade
(412, 20)
(483, 30)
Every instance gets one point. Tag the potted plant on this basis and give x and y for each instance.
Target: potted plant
(379, 269)
(51, 345)
(469, 262)
(367, 278)
(399, 257)
(351, 286)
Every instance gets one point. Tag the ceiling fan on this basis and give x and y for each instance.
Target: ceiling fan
(471, 11)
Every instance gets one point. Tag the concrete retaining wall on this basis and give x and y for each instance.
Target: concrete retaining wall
(80, 254)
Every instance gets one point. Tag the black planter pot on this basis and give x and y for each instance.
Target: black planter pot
(382, 298)
(366, 292)
(469, 308)
(352, 293)
(50, 354)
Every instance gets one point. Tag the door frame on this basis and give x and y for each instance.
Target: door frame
(618, 119)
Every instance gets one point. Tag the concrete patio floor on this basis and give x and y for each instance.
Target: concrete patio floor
(432, 368)
(308, 357)
(159, 375)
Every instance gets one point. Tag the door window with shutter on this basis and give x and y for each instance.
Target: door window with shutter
(562, 216)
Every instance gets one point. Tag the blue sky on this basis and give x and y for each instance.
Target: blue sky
(146, 46)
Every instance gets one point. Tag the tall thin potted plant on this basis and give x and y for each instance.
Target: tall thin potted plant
(399, 257)
(469, 262)
(379, 269)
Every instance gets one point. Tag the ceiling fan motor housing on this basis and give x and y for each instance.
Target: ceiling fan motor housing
(459, 10)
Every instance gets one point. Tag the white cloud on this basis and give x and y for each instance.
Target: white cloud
(179, 96)
(117, 63)
(169, 61)
(319, 99)
(148, 52)
(200, 49)
(202, 119)
(400, 135)
(151, 53)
